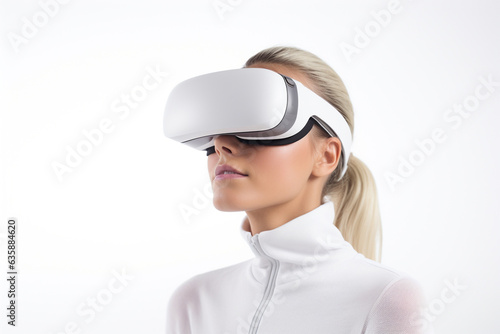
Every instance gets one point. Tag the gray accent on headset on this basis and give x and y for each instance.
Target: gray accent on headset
(289, 117)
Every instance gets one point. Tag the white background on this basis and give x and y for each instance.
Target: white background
(119, 208)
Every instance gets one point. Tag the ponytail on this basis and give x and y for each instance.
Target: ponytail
(354, 196)
(357, 213)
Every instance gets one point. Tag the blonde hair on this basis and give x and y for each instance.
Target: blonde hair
(357, 213)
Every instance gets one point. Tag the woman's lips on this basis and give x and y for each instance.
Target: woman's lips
(223, 172)
(228, 176)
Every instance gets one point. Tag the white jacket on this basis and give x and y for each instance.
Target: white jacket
(305, 278)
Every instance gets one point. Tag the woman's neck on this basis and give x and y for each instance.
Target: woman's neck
(271, 217)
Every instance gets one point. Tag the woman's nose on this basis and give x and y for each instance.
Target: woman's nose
(226, 143)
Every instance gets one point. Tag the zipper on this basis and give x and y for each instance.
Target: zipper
(268, 291)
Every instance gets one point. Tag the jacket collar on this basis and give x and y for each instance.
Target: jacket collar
(309, 237)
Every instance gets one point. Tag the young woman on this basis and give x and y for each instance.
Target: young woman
(315, 232)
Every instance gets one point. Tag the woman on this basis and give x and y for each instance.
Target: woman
(315, 232)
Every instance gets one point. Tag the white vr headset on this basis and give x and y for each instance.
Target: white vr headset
(257, 105)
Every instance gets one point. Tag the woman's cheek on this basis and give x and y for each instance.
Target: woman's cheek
(211, 161)
(276, 166)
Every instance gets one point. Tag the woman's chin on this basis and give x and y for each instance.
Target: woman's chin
(227, 205)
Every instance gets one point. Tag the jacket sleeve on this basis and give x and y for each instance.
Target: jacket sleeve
(399, 310)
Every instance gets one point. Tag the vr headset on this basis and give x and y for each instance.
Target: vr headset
(258, 106)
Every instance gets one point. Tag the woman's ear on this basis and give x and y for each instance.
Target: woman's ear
(328, 152)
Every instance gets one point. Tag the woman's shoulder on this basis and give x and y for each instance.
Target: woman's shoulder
(207, 281)
(397, 297)
(185, 299)
(378, 273)
(378, 282)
